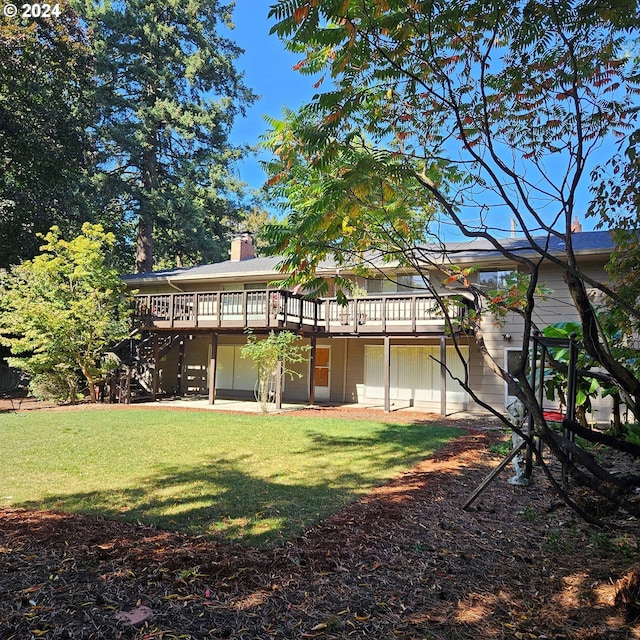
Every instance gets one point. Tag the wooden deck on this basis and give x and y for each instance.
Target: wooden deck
(270, 309)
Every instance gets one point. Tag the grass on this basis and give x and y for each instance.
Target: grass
(257, 479)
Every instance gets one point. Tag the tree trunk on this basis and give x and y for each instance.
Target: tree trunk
(92, 388)
(144, 246)
(91, 384)
(150, 184)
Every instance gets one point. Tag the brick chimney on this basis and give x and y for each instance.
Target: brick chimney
(576, 227)
(242, 248)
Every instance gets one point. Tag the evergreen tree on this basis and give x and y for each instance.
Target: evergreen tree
(46, 89)
(168, 94)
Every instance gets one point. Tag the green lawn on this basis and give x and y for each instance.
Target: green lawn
(245, 477)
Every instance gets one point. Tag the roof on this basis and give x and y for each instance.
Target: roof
(584, 243)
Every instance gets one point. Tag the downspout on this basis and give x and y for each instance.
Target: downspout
(173, 286)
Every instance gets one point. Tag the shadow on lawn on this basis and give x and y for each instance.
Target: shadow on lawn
(391, 444)
(221, 499)
(217, 498)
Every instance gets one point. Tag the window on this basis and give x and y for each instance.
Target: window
(380, 285)
(494, 279)
(247, 286)
(396, 284)
(412, 283)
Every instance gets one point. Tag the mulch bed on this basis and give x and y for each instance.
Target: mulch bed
(405, 562)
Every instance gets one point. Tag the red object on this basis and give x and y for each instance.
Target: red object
(553, 416)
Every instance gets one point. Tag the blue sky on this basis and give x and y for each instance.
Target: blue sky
(268, 72)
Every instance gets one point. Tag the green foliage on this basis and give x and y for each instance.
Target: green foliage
(616, 203)
(556, 541)
(60, 311)
(504, 447)
(343, 203)
(167, 96)
(272, 356)
(58, 385)
(256, 222)
(46, 107)
(633, 431)
(465, 114)
(556, 378)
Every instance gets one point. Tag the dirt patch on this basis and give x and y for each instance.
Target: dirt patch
(403, 562)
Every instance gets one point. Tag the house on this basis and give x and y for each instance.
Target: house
(391, 346)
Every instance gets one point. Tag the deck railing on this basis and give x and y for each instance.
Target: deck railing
(271, 308)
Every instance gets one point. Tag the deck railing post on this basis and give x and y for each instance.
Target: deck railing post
(384, 314)
(278, 397)
(171, 296)
(245, 300)
(413, 313)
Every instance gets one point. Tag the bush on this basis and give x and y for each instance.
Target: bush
(55, 386)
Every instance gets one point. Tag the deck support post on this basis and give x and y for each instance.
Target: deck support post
(180, 365)
(443, 376)
(312, 371)
(212, 368)
(156, 363)
(387, 374)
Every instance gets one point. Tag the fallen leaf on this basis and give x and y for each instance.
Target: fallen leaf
(135, 616)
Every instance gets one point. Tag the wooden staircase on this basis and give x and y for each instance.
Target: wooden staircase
(132, 380)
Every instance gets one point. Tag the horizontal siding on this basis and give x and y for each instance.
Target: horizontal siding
(347, 354)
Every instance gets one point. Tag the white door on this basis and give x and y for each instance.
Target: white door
(415, 373)
(233, 372)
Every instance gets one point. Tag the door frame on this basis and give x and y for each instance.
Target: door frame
(325, 394)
